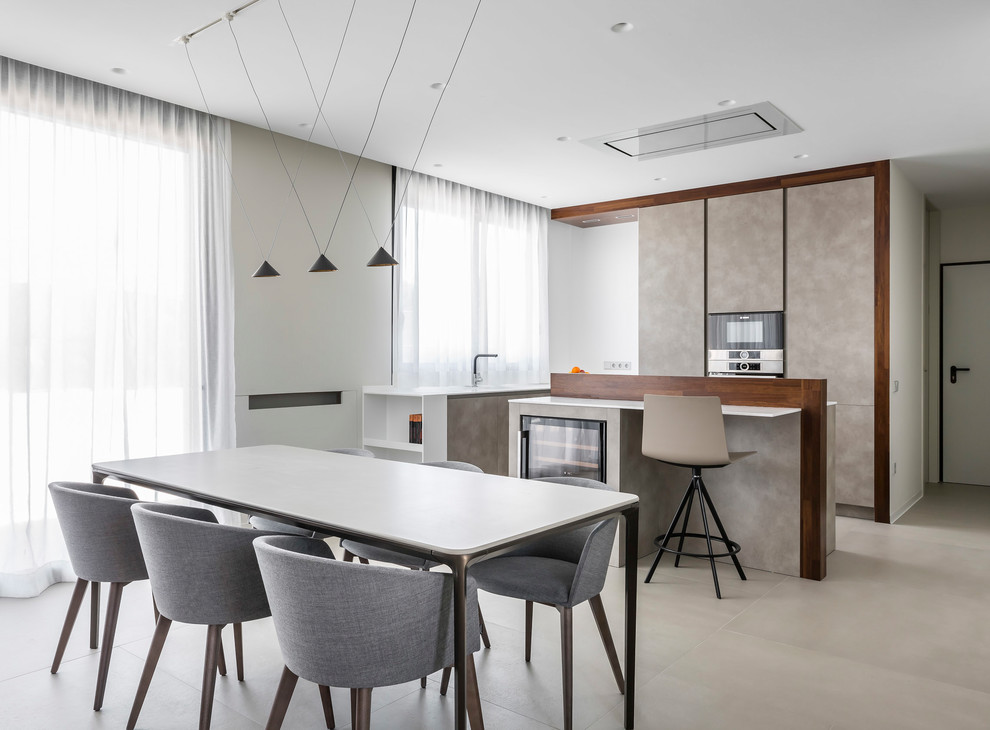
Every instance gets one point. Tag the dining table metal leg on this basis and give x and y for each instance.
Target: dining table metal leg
(459, 568)
(631, 516)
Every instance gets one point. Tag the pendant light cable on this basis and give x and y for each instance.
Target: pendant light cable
(288, 175)
(223, 152)
(320, 102)
(405, 187)
(350, 182)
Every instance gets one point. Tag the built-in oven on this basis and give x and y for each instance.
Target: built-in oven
(746, 343)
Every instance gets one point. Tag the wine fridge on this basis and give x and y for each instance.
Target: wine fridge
(556, 447)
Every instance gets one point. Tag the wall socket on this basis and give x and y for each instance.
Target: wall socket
(618, 365)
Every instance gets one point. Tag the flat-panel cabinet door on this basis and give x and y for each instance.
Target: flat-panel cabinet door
(746, 252)
(672, 289)
(830, 320)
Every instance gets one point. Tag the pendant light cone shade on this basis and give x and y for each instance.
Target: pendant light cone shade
(382, 258)
(266, 269)
(323, 264)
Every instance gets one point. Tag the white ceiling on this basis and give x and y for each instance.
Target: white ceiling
(866, 79)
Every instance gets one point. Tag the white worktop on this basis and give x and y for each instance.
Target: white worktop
(482, 389)
(637, 405)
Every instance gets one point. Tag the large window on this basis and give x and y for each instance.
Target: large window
(472, 279)
(115, 311)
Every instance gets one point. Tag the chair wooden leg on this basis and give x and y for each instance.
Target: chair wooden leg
(78, 593)
(484, 630)
(155, 651)
(445, 681)
(154, 605)
(353, 707)
(529, 629)
(327, 707)
(209, 676)
(598, 610)
(348, 556)
(475, 717)
(364, 561)
(94, 615)
(282, 696)
(239, 652)
(567, 663)
(109, 631)
(362, 713)
(221, 658)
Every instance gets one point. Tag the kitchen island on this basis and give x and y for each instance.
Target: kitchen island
(779, 504)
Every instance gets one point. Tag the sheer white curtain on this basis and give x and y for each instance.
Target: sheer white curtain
(116, 301)
(472, 278)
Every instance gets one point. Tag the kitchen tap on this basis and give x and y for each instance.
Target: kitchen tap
(475, 376)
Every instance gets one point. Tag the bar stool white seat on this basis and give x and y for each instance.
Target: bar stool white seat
(689, 431)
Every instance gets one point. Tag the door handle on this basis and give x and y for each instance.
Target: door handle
(953, 370)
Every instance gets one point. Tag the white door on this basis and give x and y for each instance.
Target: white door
(966, 360)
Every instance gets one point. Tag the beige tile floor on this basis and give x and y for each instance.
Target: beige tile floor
(897, 636)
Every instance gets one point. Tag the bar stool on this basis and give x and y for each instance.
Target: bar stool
(689, 431)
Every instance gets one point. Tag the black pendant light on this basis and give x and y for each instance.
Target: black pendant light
(266, 269)
(382, 258)
(323, 264)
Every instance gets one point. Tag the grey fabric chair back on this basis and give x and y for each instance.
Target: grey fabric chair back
(589, 578)
(99, 531)
(459, 465)
(567, 546)
(684, 429)
(348, 625)
(201, 572)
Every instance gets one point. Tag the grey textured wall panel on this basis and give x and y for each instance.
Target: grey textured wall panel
(746, 252)
(672, 289)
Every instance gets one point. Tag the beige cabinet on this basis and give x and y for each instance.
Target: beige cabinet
(672, 289)
(746, 252)
(830, 316)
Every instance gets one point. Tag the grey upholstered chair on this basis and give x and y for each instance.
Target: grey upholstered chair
(689, 431)
(356, 626)
(264, 523)
(561, 571)
(103, 547)
(201, 573)
(363, 552)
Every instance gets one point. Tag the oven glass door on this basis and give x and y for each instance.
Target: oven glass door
(746, 331)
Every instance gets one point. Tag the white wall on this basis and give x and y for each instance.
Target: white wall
(966, 234)
(594, 296)
(304, 332)
(907, 354)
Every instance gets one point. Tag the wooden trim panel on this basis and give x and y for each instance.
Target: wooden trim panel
(881, 344)
(808, 395)
(849, 172)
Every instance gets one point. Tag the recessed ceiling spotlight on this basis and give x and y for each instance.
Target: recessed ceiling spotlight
(727, 102)
(659, 179)
(438, 164)
(304, 125)
(118, 70)
(622, 27)
(563, 139)
(592, 220)
(438, 85)
(801, 156)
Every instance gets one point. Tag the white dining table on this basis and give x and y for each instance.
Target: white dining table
(455, 517)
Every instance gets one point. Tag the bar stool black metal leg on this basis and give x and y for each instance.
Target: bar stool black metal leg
(711, 553)
(721, 529)
(666, 537)
(684, 528)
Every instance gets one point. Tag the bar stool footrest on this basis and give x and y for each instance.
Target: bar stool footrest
(731, 545)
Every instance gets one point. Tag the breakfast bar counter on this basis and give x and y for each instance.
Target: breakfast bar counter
(760, 498)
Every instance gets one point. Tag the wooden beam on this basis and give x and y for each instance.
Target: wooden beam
(881, 347)
(848, 172)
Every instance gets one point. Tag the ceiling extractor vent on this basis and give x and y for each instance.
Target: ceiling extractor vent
(743, 124)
